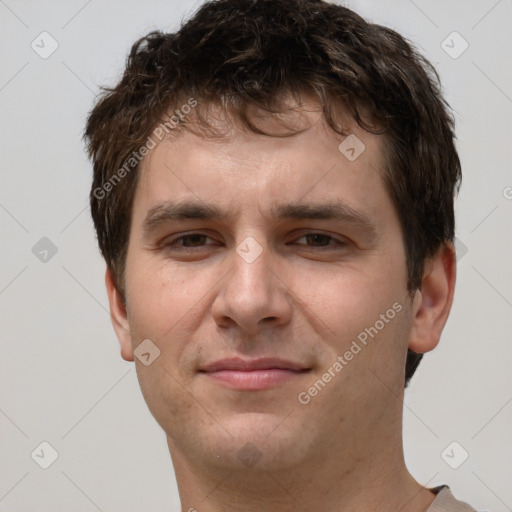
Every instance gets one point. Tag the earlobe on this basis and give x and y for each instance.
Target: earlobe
(119, 317)
(432, 303)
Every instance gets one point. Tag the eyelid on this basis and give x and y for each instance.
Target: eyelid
(341, 241)
(173, 240)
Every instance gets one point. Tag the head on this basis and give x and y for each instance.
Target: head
(242, 111)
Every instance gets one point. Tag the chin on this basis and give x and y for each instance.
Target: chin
(257, 441)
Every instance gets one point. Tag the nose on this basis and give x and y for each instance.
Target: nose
(253, 295)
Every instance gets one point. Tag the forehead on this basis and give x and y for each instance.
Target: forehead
(227, 122)
(298, 155)
(300, 122)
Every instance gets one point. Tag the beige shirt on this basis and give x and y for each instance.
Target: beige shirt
(445, 502)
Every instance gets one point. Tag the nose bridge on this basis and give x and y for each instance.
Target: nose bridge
(252, 295)
(251, 278)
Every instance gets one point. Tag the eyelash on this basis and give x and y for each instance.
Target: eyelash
(173, 243)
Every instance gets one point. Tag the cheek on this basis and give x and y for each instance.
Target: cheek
(364, 318)
(344, 303)
(160, 298)
(167, 398)
(165, 310)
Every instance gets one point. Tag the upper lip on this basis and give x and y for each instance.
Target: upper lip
(239, 364)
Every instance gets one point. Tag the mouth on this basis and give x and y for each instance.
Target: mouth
(253, 375)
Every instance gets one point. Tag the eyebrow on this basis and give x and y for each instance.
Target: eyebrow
(169, 211)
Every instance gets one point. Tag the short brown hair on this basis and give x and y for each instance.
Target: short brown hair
(240, 53)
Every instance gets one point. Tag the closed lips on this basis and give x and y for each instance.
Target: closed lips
(241, 365)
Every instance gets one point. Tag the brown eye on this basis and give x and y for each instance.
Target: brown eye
(190, 241)
(321, 240)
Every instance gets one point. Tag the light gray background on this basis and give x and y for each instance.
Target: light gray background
(62, 379)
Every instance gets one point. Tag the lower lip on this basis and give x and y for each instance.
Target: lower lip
(254, 380)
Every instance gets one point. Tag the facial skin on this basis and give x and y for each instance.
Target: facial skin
(304, 299)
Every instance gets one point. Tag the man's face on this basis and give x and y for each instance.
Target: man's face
(249, 310)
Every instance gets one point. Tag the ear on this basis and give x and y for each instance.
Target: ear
(119, 317)
(433, 301)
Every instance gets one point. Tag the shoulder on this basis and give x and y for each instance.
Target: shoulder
(446, 502)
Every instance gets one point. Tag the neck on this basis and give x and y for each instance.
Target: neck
(349, 482)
